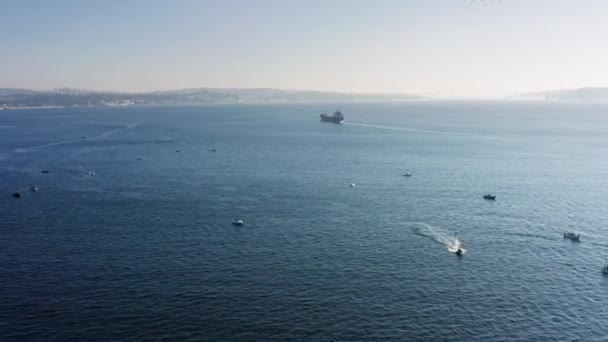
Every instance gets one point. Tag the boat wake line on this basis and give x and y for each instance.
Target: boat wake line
(72, 141)
(404, 129)
(450, 240)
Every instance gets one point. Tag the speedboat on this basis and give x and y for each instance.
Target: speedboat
(605, 270)
(459, 251)
(572, 236)
(352, 185)
(84, 137)
(237, 222)
(489, 197)
(17, 194)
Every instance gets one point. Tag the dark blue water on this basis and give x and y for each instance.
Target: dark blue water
(145, 249)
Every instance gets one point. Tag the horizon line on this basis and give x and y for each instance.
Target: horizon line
(395, 93)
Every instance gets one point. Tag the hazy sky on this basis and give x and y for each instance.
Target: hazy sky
(427, 46)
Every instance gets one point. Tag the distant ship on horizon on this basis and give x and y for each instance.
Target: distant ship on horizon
(337, 117)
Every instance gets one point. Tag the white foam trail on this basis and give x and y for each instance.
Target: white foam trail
(72, 141)
(404, 129)
(37, 147)
(437, 234)
(133, 125)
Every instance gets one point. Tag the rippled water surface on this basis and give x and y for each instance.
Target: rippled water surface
(144, 247)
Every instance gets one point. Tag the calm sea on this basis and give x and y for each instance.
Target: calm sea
(130, 237)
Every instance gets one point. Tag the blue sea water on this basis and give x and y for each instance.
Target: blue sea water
(144, 249)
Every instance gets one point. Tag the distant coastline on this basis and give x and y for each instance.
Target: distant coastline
(55, 107)
(67, 97)
(14, 99)
(587, 94)
(28, 107)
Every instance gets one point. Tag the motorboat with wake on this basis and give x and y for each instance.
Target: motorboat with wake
(572, 236)
(457, 247)
(458, 250)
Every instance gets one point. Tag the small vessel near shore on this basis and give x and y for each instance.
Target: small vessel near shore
(572, 236)
(337, 117)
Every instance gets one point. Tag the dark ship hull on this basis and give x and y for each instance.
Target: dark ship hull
(336, 118)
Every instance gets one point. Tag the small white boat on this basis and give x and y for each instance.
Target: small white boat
(572, 236)
(352, 185)
(92, 173)
(237, 222)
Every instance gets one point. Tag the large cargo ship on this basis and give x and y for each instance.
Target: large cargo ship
(336, 118)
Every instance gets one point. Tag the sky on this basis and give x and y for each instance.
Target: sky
(462, 47)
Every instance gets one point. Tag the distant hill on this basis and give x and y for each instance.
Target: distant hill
(66, 97)
(10, 91)
(580, 94)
